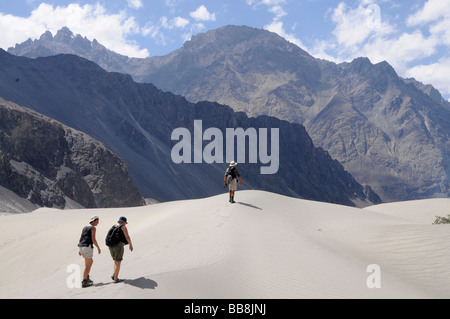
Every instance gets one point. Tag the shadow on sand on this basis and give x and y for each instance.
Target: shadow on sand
(142, 282)
(249, 205)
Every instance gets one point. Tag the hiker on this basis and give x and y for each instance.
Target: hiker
(230, 179)
(86, 246)
(116, 243)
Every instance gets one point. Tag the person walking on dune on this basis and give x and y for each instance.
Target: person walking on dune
(230, 179)
(86, 246)
(116, 239)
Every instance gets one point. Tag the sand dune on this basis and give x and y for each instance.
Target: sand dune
(264, 246)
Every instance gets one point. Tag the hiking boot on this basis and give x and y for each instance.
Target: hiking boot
(116, 281)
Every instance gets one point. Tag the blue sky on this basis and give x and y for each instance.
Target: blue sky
(412, 35)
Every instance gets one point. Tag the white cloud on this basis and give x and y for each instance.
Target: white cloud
(91, 21)
(435, 73)
(171, 3)
(180, 22)
(356, 25)
(156, 32)
(441, 31)
(435, 15)
(273, 6)
(277, 27)
(400, 51)
(269, 3)
(278, 11)
(135, 4)
(363, 30)
(320, 49)
(176, 22)
(202, 14)
(431, 11)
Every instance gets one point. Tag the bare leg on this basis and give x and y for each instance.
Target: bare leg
(87, 267)
(116, 269)
(232, 196)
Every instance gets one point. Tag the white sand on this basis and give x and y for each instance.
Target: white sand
(10, 203)
(422, 211)
(264, 246)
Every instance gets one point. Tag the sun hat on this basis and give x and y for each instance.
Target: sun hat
(123, 220)
(93, 218)
(233, 163)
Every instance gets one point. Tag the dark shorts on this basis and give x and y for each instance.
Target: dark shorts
(117, 252)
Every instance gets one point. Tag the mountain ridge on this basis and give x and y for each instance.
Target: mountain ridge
(136, 122)
(400, 146)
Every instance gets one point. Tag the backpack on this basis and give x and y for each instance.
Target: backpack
(232, 172)
(113, 237)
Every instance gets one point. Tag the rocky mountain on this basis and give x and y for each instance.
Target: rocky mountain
(384, 130)
(388, 132)
(138, 122)
(65, 42)
(53, 165)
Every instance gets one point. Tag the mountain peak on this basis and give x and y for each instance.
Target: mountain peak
(47, 36)
(64, 35)
(361, 64)
(233, 36)
(65, 42)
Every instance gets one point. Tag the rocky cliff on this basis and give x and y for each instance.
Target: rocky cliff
(136, 121)
(390, 133)
(51, 164)
(387, 132)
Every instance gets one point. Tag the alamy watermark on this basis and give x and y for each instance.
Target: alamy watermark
(235, 140)
(373, 16)
(374, 279)
(74, 279)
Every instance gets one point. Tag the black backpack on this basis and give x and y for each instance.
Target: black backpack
(232, 172)
(113, 237)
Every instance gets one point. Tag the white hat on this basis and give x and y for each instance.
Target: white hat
(93, 218)
(233, 163)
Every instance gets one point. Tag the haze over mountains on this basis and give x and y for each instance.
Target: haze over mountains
(136, 122)
(388, 132)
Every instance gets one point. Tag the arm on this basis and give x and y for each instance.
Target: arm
(94, 241)
(225, 177)
(127, 236)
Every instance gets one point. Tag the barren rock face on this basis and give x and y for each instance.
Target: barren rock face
(136, 122)
(47, 162)
(390, 133)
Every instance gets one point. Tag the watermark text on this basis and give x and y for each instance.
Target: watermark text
(189, 149)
